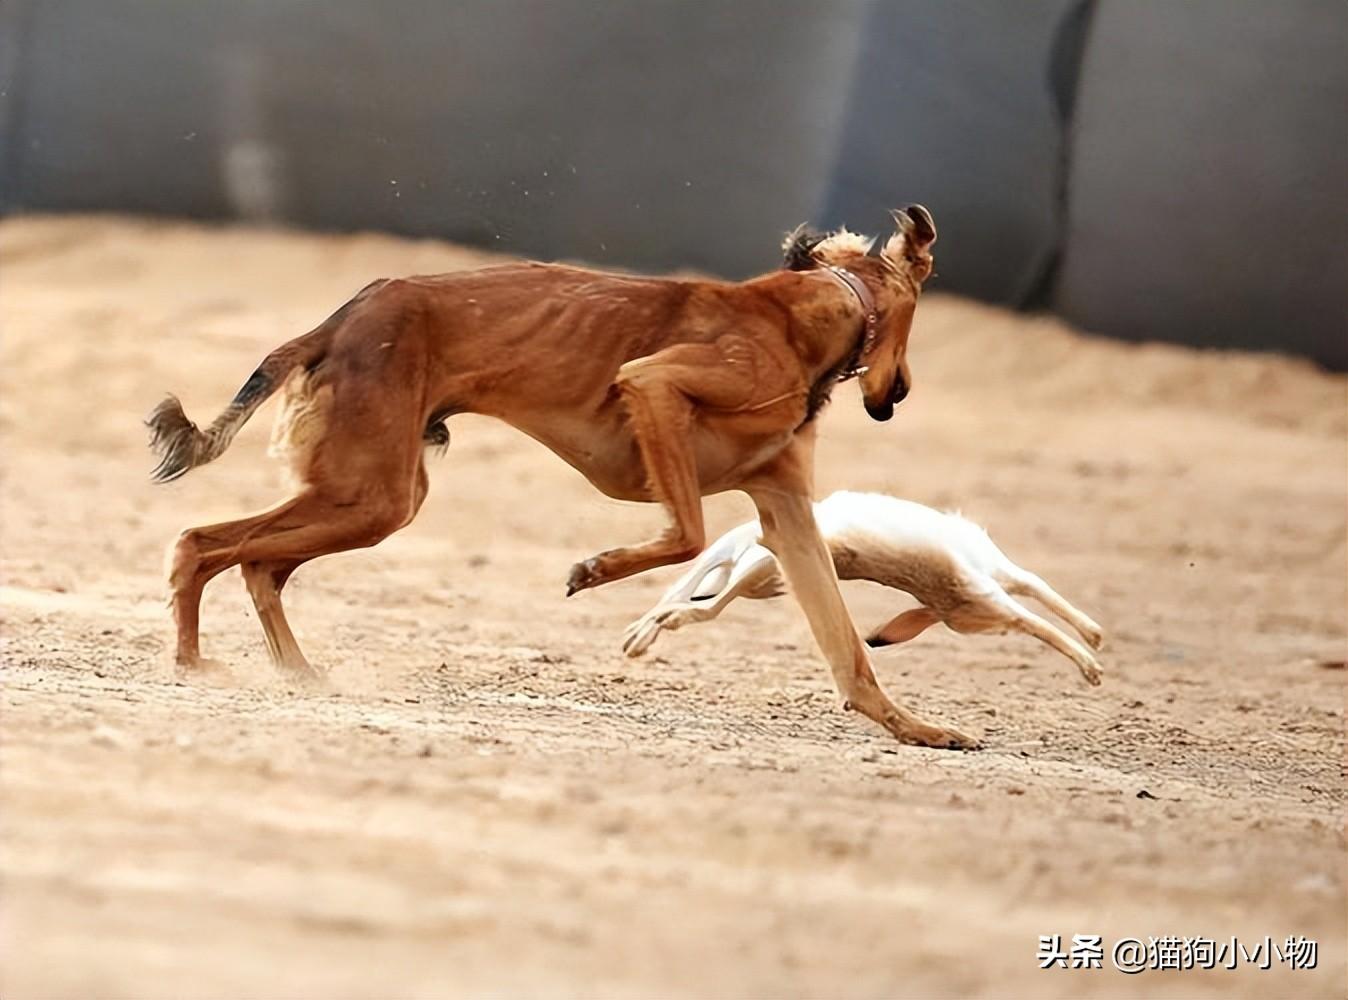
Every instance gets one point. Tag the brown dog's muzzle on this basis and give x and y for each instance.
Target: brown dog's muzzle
(885, 410)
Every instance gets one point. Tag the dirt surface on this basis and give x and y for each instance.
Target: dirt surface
(492, 799)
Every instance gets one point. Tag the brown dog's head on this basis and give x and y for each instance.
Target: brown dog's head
(894, 276)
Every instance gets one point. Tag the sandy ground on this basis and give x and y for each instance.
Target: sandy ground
(493, 800)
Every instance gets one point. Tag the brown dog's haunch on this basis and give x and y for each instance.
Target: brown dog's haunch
(655, 389)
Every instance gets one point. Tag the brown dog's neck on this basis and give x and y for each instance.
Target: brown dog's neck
(870, 321)
(838, 326)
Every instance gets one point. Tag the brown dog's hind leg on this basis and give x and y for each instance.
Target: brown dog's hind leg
(272, 544)
(199, 555)
(185, 586)
(265, 581)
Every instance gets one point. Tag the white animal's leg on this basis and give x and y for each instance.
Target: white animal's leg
(638, 636)
(1026, 584)
(712, 583)
(701, 574)
(705, 578)
(902, 627)
(754, 575)
(1003, 612)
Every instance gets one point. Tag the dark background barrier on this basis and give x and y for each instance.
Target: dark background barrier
(1148, 169)
(650, 135)
(1209, 183)
(953, 103)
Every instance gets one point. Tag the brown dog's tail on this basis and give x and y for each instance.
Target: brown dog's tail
(182, 446)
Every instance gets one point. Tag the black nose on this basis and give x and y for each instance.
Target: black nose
(882, 412)
(900, 391)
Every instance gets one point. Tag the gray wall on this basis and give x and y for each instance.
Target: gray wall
(1209, 183)
(1150, 169)
(651, 135)
(952, 108)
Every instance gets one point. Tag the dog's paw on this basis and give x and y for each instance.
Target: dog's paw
(941, 739)
(303, 676)
(920, 734)
(200, 670)
(583, 576)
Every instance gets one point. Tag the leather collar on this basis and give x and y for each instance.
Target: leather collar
(870, 327)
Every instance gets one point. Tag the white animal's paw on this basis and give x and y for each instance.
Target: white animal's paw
(1091, 671)
(638, 636)
(1094, 636)
(679, 616)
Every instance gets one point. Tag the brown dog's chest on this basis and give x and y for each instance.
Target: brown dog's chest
(602, 448)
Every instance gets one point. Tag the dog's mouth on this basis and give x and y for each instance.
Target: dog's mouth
(884, 410)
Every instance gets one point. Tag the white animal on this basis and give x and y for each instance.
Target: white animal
(947, 562)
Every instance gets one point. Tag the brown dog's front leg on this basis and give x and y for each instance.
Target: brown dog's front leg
(660, 416)
(789, 530)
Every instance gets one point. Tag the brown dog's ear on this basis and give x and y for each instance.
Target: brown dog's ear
(798, 248)
(915, 233)
(923, 233)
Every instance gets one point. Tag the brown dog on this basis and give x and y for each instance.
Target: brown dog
(655, 389)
